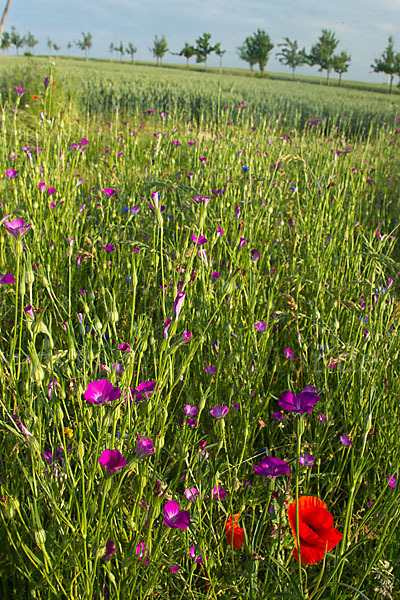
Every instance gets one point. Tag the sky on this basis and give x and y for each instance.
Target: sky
(362, 26)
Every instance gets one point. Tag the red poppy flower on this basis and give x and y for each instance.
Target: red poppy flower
(234, 533)
(35, 97)
(316, 532)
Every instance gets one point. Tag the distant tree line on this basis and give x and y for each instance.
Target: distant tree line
(255, 50)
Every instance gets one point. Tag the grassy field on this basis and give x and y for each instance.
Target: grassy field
(199, 352)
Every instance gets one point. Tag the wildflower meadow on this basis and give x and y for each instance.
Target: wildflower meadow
(199, 350)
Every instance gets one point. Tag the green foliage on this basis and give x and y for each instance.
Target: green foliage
(341, 63)
(5, 41)
(203, 48)
(388, 63)
(291, 56)
(247, 52)
(16, 40)
(310, 197)
(262, 46)
(187, 51)
(85, 43)
(30, 41)
(131, 50)
(159, 49)
(322, 53)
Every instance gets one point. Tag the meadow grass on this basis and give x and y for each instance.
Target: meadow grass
(296, 285)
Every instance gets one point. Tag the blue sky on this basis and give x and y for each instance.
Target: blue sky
(363, 26)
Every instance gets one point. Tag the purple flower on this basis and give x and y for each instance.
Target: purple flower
(219, 231)
(272, 467)
(278, 416)
(144, 447)
(52, 385)
(99, 392)
(17, 227)
(109, 551)
(190, 411)
(124, 347)
(261, 326)
(218, 493)
(307, 460)
(303, 403)
(11, 174)
(392, 480)
(191, 494)
(242, 242)
(166, 326)
(345, 441)
(186, 337)
(7, 278)
(290, 355)
(191, 422)
(109, 248)
(255, 255)
(235, 405)
(210, 370)
(176, 308)
(200, 240)
(145, 388)
(237, 212)
(173, 568)
(215, 276)
(192, 553)
(175, 518)
(142, 553)
(323, 418)
(51, 191)
(219, 412)
(46, 82)
(19, 91)
(118, 368)
(109, 192)
(112, 460)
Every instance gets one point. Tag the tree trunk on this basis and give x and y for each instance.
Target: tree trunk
(220, 64)
(252, 70)
(293, 73)
(3, 18)
(390, 84)
(327, 77)
(340, 80)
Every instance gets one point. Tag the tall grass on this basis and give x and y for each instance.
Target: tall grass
(321, 208)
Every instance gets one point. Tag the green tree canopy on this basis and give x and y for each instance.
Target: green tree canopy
(290, 55)
(85, 43)
(203, 48)
(159, 49)
(16, 40)
(131, 50)
(262, 48)
(388, 63)
(187, 51)
(247, 52)
(341, 64)
(30, 41)
(323, 51)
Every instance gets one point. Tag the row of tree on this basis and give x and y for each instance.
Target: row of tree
(255, 50)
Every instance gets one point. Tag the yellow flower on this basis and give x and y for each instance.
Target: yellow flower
(68, 432)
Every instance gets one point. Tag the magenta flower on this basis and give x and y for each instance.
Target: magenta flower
(190, 411)
(109, 551)
(176, 308)
(51, 191)
(219, 231)
(17, 227)
(200, 240)
(237, 212)
(186, 337)
(255, 255)
(124, 347)
(118, 368)
(191, 494)
(307, 460)
(192, 554)
(242, 242)
(175, 518)
(303, 403)
(166, 326)
(19, 90)
(210, 370)
(278, 416)
(144, 389)
(345, 441)
(173, 568)
(99, 392)
(218, 493)
(219, 412)
(290, 355)
(272, 467)
(109, 192)
(392, 480)
(142, 553)
(144, 447)
(112, 460)
(261, 326)
(11, 174)
(235, 405)
(7, 278)
(215, 276)
(109, 248)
